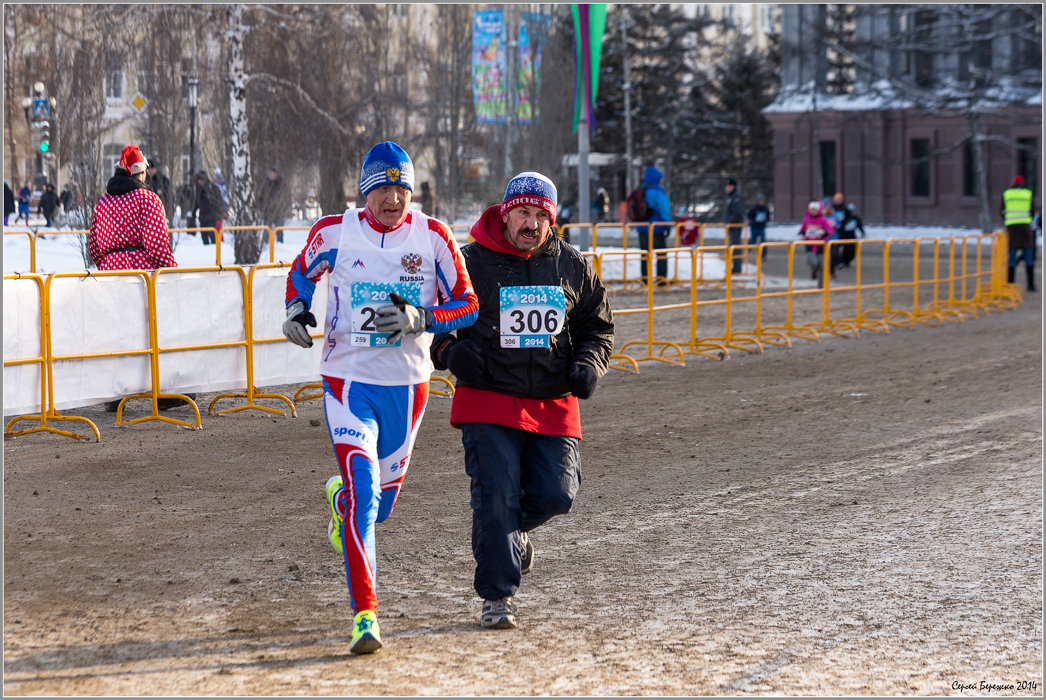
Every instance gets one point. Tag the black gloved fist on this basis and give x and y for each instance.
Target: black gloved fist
(464, 360)
(294, 328)
(582, 380)
(401, 318)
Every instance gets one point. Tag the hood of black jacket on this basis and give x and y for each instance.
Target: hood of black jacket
(122, 182)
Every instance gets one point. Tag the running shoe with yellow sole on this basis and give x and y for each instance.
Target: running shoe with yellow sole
(334, 527)
(366, 636)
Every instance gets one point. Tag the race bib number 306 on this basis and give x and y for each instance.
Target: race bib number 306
(530, 316)
(366, 298)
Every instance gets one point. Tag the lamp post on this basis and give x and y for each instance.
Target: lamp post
(27, 105)
(38, 94)
(193, 100)
(627, 87)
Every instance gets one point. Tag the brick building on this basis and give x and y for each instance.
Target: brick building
(886, 103)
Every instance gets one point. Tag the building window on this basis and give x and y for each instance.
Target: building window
(1026, 162)
(1026, 55)
(919, 153)
(143, 83)
(969, 171)
(829, 161)
(767, 13)
(915, 63)
(982, 48)
(114, 84)
(110, 157)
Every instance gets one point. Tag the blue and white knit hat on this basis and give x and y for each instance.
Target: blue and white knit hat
(386, 164)
(531, 188)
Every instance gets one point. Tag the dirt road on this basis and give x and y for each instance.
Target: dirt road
(851, 516)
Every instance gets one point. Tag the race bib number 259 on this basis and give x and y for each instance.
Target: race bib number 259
(531, 315)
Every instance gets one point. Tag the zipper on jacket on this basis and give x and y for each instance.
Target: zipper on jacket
(530, 354)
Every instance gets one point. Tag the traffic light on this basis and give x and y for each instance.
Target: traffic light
(45, 136)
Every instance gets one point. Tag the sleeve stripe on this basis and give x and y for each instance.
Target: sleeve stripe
(462, 309)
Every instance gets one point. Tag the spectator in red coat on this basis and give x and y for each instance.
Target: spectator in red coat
(129, 229)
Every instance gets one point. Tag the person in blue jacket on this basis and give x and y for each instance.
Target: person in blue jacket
(658, 210)
(758, 217)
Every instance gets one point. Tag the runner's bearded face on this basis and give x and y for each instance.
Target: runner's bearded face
(526, 227)
(389, 204)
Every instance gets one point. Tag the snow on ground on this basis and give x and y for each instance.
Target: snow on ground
(61, 252)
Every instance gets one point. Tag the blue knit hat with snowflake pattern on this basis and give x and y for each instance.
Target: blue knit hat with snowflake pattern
(532, 189)
(386, 164)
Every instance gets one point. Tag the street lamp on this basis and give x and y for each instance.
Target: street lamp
(27, 105)
(193, 100)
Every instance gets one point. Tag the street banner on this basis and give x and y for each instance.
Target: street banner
(589, 23)
(489, 87)
(533, 33)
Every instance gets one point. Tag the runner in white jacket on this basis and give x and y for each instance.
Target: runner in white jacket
(396, 277)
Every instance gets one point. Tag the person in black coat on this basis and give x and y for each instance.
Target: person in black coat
(49, 204)
(733, 210)
(848, 228)
(209, 208)
(9, 202)
(159, 183)
(274, 198)
(543, 338)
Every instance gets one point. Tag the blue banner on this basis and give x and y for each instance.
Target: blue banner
(489, 90)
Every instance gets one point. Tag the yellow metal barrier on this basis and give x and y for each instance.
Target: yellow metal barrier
(280, 229)
(246, 284)
(32, 246)
(235, 229)
(44, 359)
(154, 367)
(564, 233)
(951, 279)
(841, 306)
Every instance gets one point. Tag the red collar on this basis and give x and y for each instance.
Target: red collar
(366, 215)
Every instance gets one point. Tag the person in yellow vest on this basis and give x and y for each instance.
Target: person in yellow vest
(1017, 205)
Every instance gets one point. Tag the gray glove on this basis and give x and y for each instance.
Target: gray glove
(298, 316)
(401, 318)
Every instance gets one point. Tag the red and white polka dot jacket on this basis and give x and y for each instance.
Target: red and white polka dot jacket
(129, 232)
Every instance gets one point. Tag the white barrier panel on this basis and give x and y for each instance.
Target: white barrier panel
(101, 314)
(98, 314)
(22, 341)
(16, 251)
(200, 308)
(283, 362)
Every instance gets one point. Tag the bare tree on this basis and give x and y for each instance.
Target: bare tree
(449, 108)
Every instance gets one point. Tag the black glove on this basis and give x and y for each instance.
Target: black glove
(298, 316)
(463, 359)
(401, 317)
(582, 380)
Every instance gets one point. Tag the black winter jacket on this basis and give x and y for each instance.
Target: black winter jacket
(587, 335)
(49, 202)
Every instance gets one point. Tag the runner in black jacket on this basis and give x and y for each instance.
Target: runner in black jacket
(543, 339)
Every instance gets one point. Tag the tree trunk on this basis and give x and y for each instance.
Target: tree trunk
(981, 172)
(247, 244)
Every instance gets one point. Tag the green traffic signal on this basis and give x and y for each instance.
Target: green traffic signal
(44, 147)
